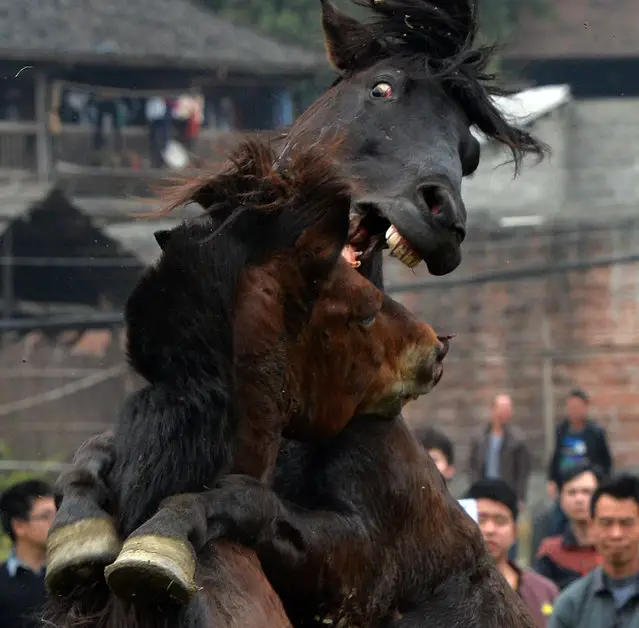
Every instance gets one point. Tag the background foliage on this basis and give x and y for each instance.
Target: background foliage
(298, 20)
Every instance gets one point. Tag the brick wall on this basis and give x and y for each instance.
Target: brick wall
(591, 317)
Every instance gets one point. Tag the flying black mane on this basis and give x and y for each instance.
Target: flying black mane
(439, 40)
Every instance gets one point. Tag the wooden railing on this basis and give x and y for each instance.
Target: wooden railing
(18, 146)
(73, 148)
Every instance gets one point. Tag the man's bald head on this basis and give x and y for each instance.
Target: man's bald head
(502, 408)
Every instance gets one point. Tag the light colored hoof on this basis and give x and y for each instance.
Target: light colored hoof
(78, 552)
(153, 568)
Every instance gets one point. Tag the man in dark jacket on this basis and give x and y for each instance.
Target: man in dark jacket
(578, 440)
(608, 596)
(27, 510)
(565, 557)
(499, 451)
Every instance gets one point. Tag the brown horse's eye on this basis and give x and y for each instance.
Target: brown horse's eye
(368, 321)
(382, 90)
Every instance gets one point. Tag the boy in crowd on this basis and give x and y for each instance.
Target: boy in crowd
(440, 448)
(497, 512)
(27, 510)
(565, 557)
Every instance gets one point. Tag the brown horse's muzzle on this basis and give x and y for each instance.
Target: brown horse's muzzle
(423, 368)
(419, 369)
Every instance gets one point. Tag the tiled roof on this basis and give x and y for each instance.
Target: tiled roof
(580, 29)
(175, 33)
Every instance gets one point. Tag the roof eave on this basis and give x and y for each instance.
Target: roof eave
(153, 61)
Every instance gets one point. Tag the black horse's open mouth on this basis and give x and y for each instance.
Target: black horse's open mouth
(400, 226)
(367, 231)
(370, 232)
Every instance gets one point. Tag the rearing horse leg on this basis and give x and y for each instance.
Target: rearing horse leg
(83, 538)
(159, 558)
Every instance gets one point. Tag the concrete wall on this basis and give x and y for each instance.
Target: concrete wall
(594, 164)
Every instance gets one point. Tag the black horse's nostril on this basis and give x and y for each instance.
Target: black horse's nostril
(439, 201)
(437, 198)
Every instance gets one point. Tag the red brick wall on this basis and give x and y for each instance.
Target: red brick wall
(593, 321)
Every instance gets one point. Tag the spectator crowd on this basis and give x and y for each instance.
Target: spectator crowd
(584, 571)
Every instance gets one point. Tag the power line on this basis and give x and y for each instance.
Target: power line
(64, 262)
(112, 319)
(63, 391)
(518, 274)
(33, 465)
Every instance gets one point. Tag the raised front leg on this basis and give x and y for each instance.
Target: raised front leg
(83, 538)
(158, 559)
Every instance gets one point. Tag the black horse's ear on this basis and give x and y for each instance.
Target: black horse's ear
(162, 237)
(349, 43)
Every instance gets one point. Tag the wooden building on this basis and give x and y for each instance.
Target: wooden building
(132, 46)
(590, 45)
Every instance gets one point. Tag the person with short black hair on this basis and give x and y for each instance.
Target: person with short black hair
(579, 439)
(564, 558)
(609, 594)
(440, 448)
(497, 513)
(27, 510)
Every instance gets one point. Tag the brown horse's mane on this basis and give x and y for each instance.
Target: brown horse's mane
(439, 41)
(253, 177)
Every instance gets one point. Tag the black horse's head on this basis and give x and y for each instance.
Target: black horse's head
(412, 84)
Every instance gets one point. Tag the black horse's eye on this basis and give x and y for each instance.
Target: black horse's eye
(368, 321)
(382, 90)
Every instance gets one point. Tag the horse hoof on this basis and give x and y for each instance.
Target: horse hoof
(153, 568)
(78, 552)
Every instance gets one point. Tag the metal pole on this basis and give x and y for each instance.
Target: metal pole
(43, 154)
(7, 281)
(548, 389)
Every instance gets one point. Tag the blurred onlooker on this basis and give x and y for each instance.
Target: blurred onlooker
(564, 558)
(27, 510)
(440, 448)
(158, 119)
(497, 512)
(579, 439)
(499, 450)
(608, 597)
(442, 451)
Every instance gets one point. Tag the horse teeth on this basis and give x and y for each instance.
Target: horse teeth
(400, 249)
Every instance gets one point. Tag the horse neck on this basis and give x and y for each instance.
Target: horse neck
(171, 441)
(372, 269)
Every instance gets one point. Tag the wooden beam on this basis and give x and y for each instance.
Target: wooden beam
(43, 152)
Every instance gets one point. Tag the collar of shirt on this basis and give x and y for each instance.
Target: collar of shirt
(14, 563)
(569, 541)
(601, 583)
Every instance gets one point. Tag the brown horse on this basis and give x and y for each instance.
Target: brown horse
(250, 324)
(411, 86)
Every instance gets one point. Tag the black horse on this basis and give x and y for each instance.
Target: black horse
(412, 84)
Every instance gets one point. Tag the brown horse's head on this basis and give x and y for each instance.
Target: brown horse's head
(412, 84)
(360, 353)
